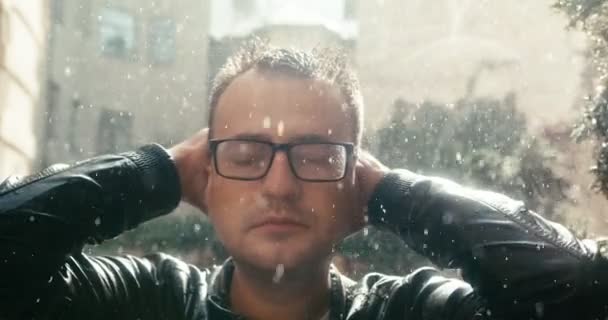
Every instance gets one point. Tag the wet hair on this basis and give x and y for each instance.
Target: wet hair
(328, 65)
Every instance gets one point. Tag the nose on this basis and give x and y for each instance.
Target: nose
(280, 182)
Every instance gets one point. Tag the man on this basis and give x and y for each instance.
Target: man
(282, 178)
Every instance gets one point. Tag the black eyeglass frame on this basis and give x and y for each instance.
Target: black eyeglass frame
(286, 147)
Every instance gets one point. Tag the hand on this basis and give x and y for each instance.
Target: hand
(193, 162)
(369, 172)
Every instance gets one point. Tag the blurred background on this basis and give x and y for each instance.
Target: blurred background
(484, 92)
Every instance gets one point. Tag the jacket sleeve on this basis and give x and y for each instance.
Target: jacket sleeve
(47, 218)
(520, 264)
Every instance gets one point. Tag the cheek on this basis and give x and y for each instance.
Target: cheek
(334, 203)
(226, 201)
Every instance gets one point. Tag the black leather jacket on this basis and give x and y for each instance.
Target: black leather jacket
(517, 265)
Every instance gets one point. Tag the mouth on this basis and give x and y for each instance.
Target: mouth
(279, 224)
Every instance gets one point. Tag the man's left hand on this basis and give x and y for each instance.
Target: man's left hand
(368, 173)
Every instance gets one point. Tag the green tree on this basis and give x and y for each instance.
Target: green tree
(483, 143)
(591, 16)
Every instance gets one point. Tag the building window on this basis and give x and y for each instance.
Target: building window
(161, 44)
(57, 11)
(350, 9)
(114, 132)
(51, 109)
(116, 33)
(244, 8)
(74, 124)
(83, 17)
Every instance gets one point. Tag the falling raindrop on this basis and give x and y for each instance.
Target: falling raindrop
(280, 128)
(278, 273)
(540, 309)
(266, 123)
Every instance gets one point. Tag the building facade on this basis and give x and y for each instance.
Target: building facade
(124, 73)
(23, 31)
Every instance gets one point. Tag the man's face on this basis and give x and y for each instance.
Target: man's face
(280, 219)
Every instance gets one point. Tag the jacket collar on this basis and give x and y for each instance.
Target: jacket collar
(218, 298)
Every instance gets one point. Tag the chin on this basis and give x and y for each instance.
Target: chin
(271, 257)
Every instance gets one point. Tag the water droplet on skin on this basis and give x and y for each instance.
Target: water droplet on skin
(266, 123)
(280, 128)
(312, 209)
(340, 185)
(278, 273)
(329, 132)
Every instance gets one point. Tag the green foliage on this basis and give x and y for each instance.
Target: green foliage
(482, 143)
(592, 17)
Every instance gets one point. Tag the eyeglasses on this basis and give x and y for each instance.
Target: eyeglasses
(245, 159)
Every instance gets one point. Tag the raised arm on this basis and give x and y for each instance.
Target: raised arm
(46, 218)
(519, 263)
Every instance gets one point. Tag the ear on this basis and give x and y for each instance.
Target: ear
(209, 171)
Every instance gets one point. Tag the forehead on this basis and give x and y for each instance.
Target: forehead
(282, 107)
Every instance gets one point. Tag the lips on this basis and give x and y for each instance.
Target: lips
(279, 223)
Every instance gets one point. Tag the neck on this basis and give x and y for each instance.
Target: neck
(296, 294)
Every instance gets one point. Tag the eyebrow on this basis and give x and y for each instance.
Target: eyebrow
(310, 138)
(252, 136)
(296, 138)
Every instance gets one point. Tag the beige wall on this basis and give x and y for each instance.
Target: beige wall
(164, 102)
(23, 30)
(420, 49)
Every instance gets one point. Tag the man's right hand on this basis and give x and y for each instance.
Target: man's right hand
(193, 162)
